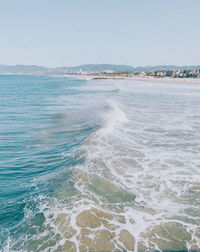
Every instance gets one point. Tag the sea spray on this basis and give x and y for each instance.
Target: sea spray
(118, 169)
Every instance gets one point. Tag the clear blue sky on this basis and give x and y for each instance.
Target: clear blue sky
(73, 32)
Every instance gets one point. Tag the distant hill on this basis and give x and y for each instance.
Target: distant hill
(32, 69)
(165, 67)
(97, 68)
(103, 67)
(22, 69)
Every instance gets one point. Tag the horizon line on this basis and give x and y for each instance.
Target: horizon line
(158, 65)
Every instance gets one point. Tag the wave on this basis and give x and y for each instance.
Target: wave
(125, 188)
(111, 117)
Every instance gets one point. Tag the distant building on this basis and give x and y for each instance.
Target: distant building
(108, 71)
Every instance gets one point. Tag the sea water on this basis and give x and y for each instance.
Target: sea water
(99, 165)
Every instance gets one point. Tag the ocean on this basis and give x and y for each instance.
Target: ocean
(99, 165)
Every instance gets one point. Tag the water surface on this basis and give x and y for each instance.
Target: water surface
(99, 165)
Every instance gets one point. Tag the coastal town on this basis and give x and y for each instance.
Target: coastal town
(146, 74)
(176, 75)
(170, 73)
(108, 71)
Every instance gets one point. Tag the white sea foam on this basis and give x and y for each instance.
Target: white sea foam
(140, 171)
(111, 117)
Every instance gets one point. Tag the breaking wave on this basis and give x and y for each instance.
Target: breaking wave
(130, 184)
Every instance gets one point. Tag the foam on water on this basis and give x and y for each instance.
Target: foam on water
(135, 183)
(111, 117)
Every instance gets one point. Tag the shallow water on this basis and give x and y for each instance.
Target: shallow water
(99, 165)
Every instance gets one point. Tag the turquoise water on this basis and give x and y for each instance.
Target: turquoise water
(36, 132)
(91, 162)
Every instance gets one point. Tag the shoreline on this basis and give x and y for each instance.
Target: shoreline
(104, 77)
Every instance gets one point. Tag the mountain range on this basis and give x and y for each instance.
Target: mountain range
(95, 68)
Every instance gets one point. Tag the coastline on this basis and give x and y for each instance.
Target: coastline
(117, 77)
(105, 77)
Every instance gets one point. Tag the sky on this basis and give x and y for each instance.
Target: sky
(73, 32)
